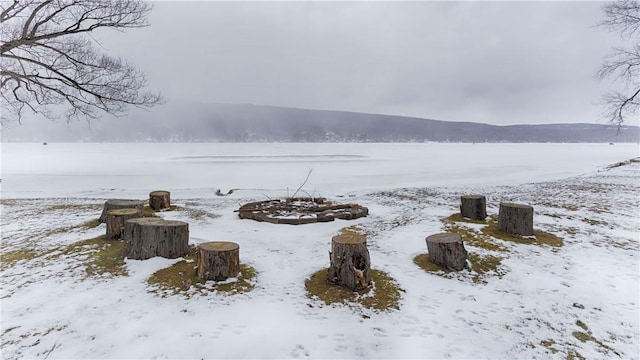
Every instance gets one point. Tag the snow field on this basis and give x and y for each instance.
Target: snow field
(51, 309)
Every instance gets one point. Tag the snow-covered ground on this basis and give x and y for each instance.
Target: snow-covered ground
(545, 297)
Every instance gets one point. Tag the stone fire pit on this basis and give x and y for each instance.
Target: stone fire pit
(297, 211)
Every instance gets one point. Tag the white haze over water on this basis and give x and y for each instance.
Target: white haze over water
(131, 169)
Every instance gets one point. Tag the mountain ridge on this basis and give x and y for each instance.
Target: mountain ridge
(216, 122)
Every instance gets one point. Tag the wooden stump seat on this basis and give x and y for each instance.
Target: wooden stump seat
(218, 260)
(350, 264)
(159, 200)
(447, 250)
(149, 237)
(115, 204)
(516, 219)
(473, 207)
(116, 219)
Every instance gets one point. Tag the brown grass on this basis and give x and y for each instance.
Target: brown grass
(384, 294)
(539, 237)
(180, 279)
(482, 266)
(103, 256)
(425, 264)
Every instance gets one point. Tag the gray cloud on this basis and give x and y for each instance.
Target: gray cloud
(493, 62)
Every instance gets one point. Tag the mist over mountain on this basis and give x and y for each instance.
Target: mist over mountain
(197, 122)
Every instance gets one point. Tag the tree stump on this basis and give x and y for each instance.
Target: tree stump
(447, 250)
(115, 221)
(473, 207)
(149, 237)
(115, 204)
(349, 262)
(218, 260)
(159, 200)
(515, 219)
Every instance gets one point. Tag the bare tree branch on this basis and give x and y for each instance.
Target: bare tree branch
(622, 64)
(622, 16)
(48, 58)
(302, 185)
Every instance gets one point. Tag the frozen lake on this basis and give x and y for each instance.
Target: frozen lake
(196, 169)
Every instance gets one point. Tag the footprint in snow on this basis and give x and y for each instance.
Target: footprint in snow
(426, 303)
(342, 348)
(379, 332)
(425, 331)
(408, 332)
(410, 320)
(215, 334)
(339, 337)
(299, 351)
(239, 329)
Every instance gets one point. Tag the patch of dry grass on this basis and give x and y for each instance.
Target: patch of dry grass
(455, 224)
(75, 207)
(10, 258)
(423, 261)
(181, 279)
(195, 214)
(485, 266)
(481, 267)
(586, 335)
(102, 256)
(539, 237)
(457, 217)
(549, 344)
(384, 293)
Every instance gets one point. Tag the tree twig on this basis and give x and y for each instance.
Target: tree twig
(305, 181)
(55, 344)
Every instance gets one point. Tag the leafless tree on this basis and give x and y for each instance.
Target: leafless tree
(623, 63)
(48, 60)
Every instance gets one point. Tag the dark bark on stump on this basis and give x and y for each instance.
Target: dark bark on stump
(159, 200)
(473, 207)
(515, 219)
(218, 260)
(148, 237)
(115, 204)
(116, 219)
(447, 250)
(349, 262)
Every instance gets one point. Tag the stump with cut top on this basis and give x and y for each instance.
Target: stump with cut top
(159, 200)
(473, 207)
(447, 250)
(116, 219)
(115, 204)
(516, 219)
(349, 261)
(149, 237)
(218, 260)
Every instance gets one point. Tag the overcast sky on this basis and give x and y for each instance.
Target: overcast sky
(491, 62)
